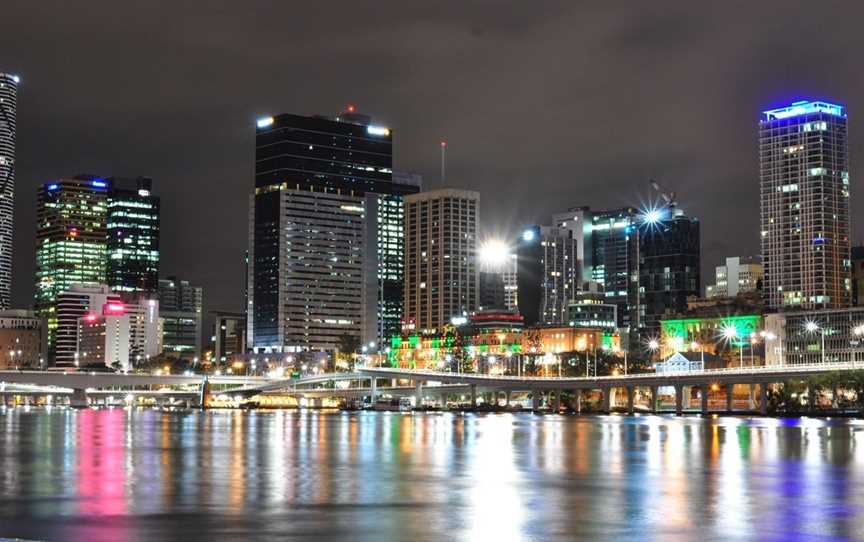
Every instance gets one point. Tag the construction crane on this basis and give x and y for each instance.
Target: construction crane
(668, 197)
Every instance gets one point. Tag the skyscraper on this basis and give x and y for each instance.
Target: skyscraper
(71, 238)
(133, 237)
(325, 240)
(608, 254)
(547, 273)
(440, 257)
(669, 259)
(8, 112)
(804, 196)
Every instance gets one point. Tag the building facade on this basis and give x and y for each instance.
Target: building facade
(326, 234)
(132, 267)
(608, 254)
(71, 241)
(8, 115)
(441, 272)
(180, 306)
(804, 200)
(669, 260)
(813, 337)
(229, 335)
(72, 305)
(590, 309)
(23, 340)
(738, 276)
(547, 273)
(492, 291)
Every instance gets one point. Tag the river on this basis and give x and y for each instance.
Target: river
(118, 475)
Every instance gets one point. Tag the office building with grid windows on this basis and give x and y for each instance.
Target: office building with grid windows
(441, 272)
(804, 200)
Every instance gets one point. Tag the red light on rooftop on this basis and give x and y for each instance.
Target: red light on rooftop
(350, 108)
(443, 143)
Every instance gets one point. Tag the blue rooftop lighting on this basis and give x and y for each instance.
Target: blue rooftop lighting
(52, 187)
(99, 184)
(528, 236)
(805, 108)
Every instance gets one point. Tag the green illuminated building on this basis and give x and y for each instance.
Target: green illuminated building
(71, 243)
(133, 237)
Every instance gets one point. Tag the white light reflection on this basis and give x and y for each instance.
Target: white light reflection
(497, 512)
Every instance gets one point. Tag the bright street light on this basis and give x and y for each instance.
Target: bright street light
(494, 253)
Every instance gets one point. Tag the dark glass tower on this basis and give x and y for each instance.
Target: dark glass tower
(547, 273)
(608, 254)
(669, 258)
(133, 237)
(326, 250)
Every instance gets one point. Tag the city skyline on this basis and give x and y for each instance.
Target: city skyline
(711, 158)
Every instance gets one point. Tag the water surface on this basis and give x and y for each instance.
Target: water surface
(121, 475)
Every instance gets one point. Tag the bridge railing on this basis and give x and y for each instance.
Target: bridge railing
(724, 371)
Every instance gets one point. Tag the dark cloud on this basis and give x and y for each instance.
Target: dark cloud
(545, 104)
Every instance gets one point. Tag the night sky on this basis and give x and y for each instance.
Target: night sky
(545, 105)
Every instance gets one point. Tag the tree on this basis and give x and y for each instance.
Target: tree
(349, 344)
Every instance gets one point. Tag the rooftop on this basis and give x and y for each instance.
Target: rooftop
(804, 107)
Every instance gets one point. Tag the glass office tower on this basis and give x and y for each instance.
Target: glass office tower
(325, 237)
(71, 240)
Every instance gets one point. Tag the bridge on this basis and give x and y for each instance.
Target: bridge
(634, 388)
(705, 381)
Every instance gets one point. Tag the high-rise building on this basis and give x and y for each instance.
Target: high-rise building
(440, 257)
(738, 276)
(180, 306)
(608, 254)
(8, 113)
(71, 239)
(133, 237)
(669, 259)
(326, 234)
(804, 187)
(547, 273)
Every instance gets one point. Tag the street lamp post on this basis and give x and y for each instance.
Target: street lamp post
(813, 327)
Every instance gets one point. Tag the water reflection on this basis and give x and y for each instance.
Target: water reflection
(142, 475)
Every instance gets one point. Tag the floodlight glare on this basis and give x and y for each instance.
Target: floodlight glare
(494, 253)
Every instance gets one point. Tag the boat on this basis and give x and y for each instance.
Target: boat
(394, 404)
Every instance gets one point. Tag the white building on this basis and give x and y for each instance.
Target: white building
(8, 109)
(122, 335)
(738, 276)
(72, 305)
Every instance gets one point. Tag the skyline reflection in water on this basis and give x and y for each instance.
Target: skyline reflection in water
(121, 475)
